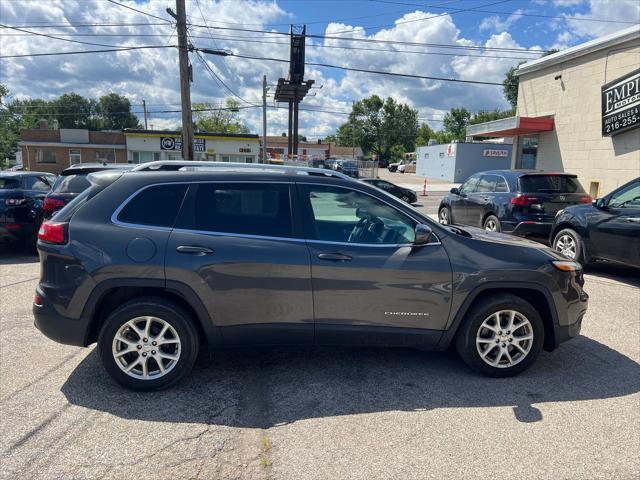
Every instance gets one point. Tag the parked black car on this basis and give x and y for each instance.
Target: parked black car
(21, 198)
(404, 194)
(608, 229)
(149, 264)
(520, 202)
(72, 182)
(348, 168)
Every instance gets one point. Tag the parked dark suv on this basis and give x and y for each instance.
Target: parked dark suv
(608, 229)
(151, 264)
(520, 202)
(21, 198)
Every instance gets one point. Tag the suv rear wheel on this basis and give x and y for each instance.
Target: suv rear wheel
(148, 344)
(501, 336)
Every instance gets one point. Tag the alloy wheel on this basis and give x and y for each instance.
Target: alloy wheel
(566, 245)
(504, 339)
(443, 216)
(491, 226)
(146, 348)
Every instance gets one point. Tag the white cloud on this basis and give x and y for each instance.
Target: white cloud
(615, 11)
(496, 23)
(153, 74)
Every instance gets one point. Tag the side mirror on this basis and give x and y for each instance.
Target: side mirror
(600, 203)
(423, 234)
(455, 191)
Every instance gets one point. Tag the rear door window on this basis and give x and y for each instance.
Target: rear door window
(261, 209)
(487, 183)
(154, 206)
(550, 184)
(501, 185)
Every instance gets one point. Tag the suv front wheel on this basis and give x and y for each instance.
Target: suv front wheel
(501, 336)
(148, 344)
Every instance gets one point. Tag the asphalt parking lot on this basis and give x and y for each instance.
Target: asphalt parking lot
(325, 413)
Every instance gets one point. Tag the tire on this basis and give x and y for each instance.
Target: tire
(478, 331)
(180, 328)
(570, 244)
(492, 224)
(444, 216)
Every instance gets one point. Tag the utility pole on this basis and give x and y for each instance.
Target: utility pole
(185, 79)
(144, 107)
(353, 131)
(264, 118)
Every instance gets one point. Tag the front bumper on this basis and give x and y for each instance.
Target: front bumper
(58, 328)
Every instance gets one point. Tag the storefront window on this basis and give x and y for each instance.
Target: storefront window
(105, 156)
(45, 155)
(528, 152)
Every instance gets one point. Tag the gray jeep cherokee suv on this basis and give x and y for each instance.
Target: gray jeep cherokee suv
(152, 265)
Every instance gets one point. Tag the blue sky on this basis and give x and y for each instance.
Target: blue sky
(372, 27)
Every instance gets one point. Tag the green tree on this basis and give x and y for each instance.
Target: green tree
(220, 121)
(455, 123)
(114, 113)
(75, 111)
(482, 116)
(511, 82)
(376, 125)
(425, 133)
(396, 152)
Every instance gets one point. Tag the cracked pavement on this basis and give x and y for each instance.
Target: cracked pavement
(352, 413)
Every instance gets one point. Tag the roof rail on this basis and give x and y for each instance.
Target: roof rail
(192, 165)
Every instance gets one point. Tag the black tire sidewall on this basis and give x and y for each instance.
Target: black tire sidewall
(486, 220)
(168, 312)
(466, 338)
(580, 257)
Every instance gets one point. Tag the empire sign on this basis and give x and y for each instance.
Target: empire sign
(621, 104)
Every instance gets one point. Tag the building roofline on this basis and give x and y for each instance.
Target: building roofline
(586, 48)
(34, 143)
(135, 131)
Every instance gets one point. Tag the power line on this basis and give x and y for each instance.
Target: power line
(77, 52)
(210, 70)
(309, 45)
(90, 25)
(139, 11)
(516, 13)
(362, 70)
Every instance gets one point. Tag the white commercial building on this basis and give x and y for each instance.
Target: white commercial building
(151, 145)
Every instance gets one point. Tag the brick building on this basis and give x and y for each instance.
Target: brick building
(579, 111)
(277, 148)
(52, 151)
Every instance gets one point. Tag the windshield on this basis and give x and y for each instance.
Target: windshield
(8, 183)
(550, 184)
(71, 184)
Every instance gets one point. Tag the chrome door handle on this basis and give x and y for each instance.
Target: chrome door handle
(194, 250)
(633, 219)
(335, 257)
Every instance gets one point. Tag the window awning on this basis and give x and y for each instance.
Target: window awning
(511, 126)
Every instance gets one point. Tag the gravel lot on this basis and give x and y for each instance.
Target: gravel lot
(325, 413)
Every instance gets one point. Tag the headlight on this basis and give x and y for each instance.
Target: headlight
(567, 265)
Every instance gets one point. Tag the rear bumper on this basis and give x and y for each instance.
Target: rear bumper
(13, 232)
(527, 228)
(58, 328)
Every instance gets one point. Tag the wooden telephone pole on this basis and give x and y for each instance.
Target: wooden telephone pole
(185, 79)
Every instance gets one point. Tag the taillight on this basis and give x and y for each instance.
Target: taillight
(14, 201)
(586, 199)
(52, 204)
(37, 299)
(52, 232)
(523, 200)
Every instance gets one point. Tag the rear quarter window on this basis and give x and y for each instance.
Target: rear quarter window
(550, 184)
(71, 184)
(9, 183)
(155, 206)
